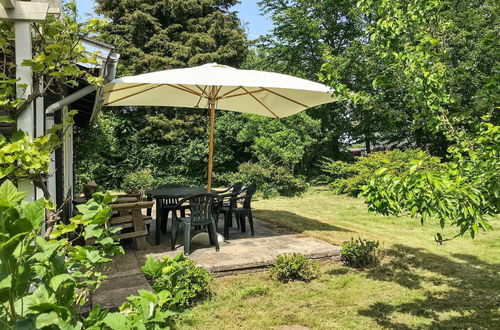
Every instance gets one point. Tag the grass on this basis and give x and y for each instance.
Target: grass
(419, 284)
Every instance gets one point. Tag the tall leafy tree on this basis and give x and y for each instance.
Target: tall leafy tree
(364, 79)
(303, 31)
(156, 35)
(418, 42)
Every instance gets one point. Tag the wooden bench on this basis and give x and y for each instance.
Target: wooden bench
(130, 216)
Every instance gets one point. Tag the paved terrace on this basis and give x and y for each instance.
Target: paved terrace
(242, 253)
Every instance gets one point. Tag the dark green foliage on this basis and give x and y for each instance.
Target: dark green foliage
(294, 267)
(157, 35)
(277, 148)
(349, 177)
(359, 253)
(179, 276)
(138, 182)
(270, 179)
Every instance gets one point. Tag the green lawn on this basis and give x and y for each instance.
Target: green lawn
(418, 285)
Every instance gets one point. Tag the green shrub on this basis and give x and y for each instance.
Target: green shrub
(138, 182)
(294, 267)
(44, 280)
(179, 275)
(360, 253)
(349, 177)
(271, 180)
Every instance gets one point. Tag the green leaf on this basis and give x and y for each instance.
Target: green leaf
(115, 320)
(34, 212)
(57, 280)
(7, 248)
(153, 267)
(9, 193)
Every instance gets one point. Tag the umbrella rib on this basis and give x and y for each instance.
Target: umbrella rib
(260, 102)
(285, 97)
(234, 95)
(231, 91)
(123, 88)
(201, 90)
(134, 94)
(187, 89)
(201, 96)
(217, 93)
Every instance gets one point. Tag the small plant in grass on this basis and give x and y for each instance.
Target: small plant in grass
(254, 291)
(179, 274)
(294, 267)
(359, 253)
(138, 182)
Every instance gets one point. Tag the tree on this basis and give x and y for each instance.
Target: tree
(363, 78)
(158, 35)
(303, 32)
(416, 39)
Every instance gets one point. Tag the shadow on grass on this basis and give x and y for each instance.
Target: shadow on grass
(294, 221)
(472, 299)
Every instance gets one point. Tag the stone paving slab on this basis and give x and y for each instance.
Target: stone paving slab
(241, 253)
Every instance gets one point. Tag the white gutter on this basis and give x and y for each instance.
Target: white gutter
(109, 75)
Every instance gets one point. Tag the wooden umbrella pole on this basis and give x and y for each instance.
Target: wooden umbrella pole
(211, 138)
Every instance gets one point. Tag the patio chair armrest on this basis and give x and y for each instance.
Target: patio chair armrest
(131, 206)
(223, 190)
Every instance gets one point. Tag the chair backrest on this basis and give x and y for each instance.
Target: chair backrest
(235, 191)
(249, 192)
(236, 187)
(202, 207)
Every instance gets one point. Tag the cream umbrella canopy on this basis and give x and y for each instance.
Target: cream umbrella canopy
(218, 87)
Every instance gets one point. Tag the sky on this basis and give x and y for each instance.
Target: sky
(248, 11)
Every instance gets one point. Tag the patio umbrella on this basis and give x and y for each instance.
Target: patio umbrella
(218, 87)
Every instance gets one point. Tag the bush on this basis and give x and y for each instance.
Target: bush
(271, 180)
(45, 280)
(349, 177)
(360, 253)
(179, 275)
(138, 182)
(294, 267)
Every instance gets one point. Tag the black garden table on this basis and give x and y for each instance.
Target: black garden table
(169, 196)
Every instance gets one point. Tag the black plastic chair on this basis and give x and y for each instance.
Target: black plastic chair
(233, 188)
(245, 211)
(168, 205)
(203, 213)
(227, 203)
